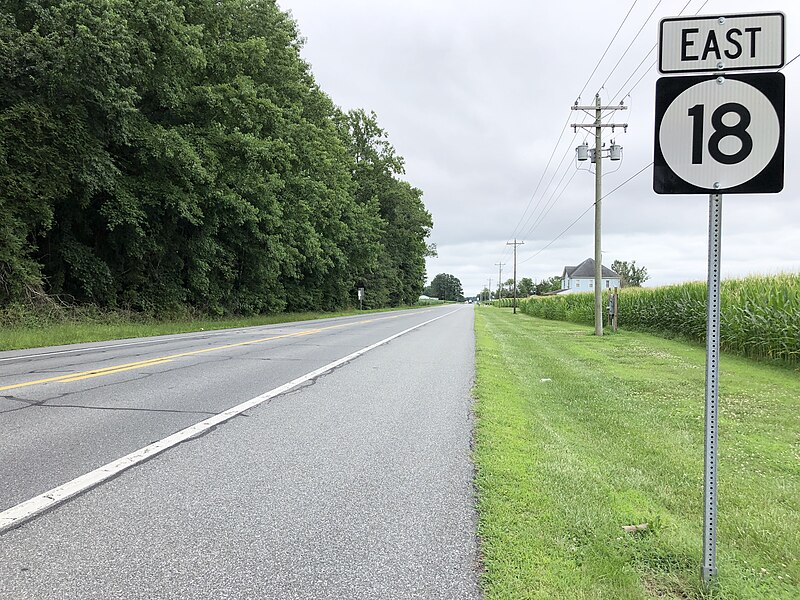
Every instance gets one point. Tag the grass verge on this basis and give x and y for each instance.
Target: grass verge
(578, 436)
(98, 327)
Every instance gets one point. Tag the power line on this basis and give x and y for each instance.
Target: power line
(552, 154)
(590, 207)
(505, 252)
(788, 63)
(638, 33)
(653, 64)
(552, 202)
(622, 87)
(549, 204)
(553, 198)
(607, 48)
(544, 193)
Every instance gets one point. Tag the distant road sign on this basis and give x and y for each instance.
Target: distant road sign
(719, 134)
(721, 43)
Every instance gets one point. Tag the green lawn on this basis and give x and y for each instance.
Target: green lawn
(577, 436)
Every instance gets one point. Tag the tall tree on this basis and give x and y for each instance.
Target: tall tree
(159, 154)
(630, 275)
(552, 284)
(398, 274)
(525, 287)
(447, 287)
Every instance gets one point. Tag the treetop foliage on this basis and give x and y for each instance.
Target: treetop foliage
(446, 287)
(629, 274)
(159, 154)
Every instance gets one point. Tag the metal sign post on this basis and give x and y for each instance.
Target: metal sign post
(709, 567)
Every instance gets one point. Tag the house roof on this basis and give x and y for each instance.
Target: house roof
(585, 270)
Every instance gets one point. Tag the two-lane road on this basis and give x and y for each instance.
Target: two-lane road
(356, 483)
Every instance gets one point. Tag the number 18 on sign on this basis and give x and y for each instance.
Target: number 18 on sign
(718, 133)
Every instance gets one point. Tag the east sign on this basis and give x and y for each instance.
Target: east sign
(721, 43)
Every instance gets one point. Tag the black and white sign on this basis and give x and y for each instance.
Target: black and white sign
(721, 43)
(719, 134)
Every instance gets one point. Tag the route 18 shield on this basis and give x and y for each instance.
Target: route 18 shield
(719, 134)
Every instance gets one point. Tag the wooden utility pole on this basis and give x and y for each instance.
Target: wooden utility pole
(515, 243)
(598, 195)
(500, 280)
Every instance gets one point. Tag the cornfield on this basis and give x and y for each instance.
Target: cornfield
(759, 318)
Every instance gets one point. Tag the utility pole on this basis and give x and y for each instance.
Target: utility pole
(500, 280)
(490, 290)
(515, 243)
(615, 153)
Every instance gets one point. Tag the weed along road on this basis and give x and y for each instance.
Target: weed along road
(317, 459)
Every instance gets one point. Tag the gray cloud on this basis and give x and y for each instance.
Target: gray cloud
(474, 95)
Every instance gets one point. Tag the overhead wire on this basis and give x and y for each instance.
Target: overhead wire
(636, 37)
(607, 48)
(544, 172)
(653, 64)
(517, 229)
(549, 183)
(556, 195)
(615, 98)
(590, 207)
(553, 197)
(548, 206)
(788, 63)
(564, 128)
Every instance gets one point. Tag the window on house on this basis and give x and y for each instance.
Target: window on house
(608, 283)
(591, 284)
(577, 284)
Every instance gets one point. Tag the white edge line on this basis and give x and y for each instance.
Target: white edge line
(24, 511)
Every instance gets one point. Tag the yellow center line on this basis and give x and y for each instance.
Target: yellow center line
(164, 359)
(89, 375)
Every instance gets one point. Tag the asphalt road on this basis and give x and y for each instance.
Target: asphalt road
(355, 484)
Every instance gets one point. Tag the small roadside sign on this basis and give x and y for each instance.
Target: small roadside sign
(721, 43)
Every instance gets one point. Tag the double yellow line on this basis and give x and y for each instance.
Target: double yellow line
(165, 359)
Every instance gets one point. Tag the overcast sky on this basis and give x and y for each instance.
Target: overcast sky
(475, 96)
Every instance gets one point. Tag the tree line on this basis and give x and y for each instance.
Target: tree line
(165, 154)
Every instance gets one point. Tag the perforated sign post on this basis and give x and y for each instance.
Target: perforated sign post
(718, 133)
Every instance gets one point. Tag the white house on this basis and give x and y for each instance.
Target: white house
(581, 278)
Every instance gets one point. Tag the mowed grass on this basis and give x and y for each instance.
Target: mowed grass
(93, 329)
(577, 436)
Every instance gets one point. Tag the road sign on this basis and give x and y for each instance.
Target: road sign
(719, 134)
(721, 43)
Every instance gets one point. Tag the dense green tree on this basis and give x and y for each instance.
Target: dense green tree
(552, 284)
(397, 275)
(629, 274)
(447, 287)
(525, 287)
(159, 154)
(508, 287)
